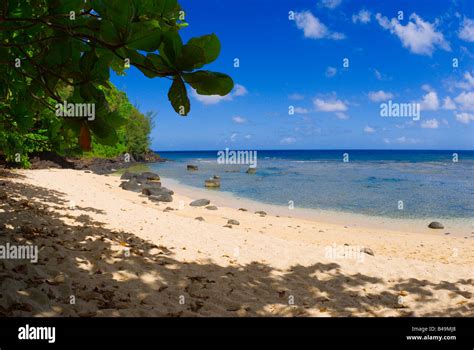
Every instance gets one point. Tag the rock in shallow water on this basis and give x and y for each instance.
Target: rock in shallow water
(192, 167)
(436, 225)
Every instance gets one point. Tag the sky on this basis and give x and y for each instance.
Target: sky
(314, 75)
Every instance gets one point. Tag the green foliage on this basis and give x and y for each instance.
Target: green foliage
(57, 50)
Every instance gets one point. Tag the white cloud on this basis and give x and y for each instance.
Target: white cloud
(248, 137)
(329, 105)
(464, 118)
(331, 4)
(313, 28)
(239, 120)
(233, 137)
(430, 101)
(379, 96)
(288, 140)
(466, 31)
(430, 124)
(296, 97)
(363, 16)
(449, 104)
(465, 100)
(300, 110)
(426, 87)
(331, 71)
(238, 90)
(369, 130)
(342, 116)
(418, 36)
(467, 83)
(406, 140)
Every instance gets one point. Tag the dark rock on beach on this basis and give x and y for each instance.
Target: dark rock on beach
(233, 222)
(162, 197)
(192, 167)
(211, 207)
(200, 202)
(436, 225)
(131, 185)
(367, 251)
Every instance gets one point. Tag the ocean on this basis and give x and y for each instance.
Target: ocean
(389, 183)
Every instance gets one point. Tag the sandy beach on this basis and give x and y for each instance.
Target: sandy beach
(104, 251)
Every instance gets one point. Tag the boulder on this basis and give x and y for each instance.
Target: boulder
(213, 182)
(251, 170)
(131, 185)
(233, 222)
(147, 177)
(436, 225)
(211, 207)
(156, 191)
(163, 197)
(260, 212)
(199, 218)
(200, 202)
(192, 167)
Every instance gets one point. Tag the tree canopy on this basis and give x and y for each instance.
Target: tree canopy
(53, 51)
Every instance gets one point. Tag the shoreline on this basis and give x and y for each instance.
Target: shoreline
(458, 227)
(84, 224)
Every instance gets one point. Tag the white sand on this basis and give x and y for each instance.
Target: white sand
(265, 266)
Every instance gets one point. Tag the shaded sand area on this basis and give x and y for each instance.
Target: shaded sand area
(115, 253)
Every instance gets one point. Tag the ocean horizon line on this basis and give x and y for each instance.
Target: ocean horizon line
(323, 149)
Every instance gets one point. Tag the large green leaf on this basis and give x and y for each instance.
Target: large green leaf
(210, 46)
(192, 57)
(178, 97)
(171, 47)
(145, 36)
(209, 83)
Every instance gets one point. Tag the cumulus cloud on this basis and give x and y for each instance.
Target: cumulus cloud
(380, 96)
(430, 124)
(419, 36)
(239, 90)
(331, 4)
(369, 130)
(301, 110)
(342, 116)
(465, 100)
(464, 117)
(466, 31)
(287, 140)
(332, 105)
(467, 83)
(313, 28)
(449, 104)
(239, 120)
(430, 101)
(363, 16)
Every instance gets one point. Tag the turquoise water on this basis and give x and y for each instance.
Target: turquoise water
(429, 183)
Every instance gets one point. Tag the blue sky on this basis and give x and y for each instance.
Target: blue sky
(298, 62)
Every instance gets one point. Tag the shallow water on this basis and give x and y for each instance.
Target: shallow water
(428, 183)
